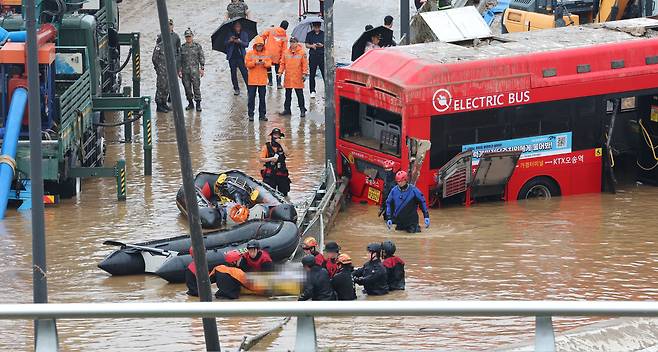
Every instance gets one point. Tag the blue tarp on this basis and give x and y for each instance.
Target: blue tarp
(491, 13)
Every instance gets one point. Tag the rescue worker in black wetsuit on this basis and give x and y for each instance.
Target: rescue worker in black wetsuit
(372, 275)
(310, 246)
(342, 282)
(317, 286)
(389, 183)
(256, 259)
(227, 277)
(331, 252)
(190, 277)
(394, 266)
(402, 205)
(273, 154)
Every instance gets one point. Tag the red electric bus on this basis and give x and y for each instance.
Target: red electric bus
(574, 110)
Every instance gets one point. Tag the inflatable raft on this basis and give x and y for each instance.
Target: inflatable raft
(232, 197)
(169, 257)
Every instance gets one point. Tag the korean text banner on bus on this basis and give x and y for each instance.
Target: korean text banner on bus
(531, 147)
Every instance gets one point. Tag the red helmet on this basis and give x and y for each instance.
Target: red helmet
(231, 257)
(401, 176)
(388, 164)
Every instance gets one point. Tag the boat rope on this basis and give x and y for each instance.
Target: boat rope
(120, 123)
(6, 159)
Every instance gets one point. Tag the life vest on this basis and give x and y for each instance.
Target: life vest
(256, 264)
(277, 168)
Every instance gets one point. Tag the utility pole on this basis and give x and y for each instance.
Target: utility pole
(404, 21)
(329, 78)
(45, 330)
(203, 281)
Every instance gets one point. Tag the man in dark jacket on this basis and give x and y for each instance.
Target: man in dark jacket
(394, 266)
(317, 286)
(190, 277)
(402, 205)
(342, 282)
(389, 183)
(372, 275)
(236, 42)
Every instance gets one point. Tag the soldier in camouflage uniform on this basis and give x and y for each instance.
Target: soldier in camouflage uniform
(162, 86)
(175, 42)
(192, 63)
(237, 8)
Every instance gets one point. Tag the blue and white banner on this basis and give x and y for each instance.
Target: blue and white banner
(531, 147)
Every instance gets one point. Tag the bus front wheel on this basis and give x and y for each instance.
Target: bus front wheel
(539, 187)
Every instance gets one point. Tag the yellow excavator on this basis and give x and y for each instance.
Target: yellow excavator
(528, 15)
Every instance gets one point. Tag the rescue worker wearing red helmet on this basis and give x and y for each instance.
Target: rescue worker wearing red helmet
(317, 286)
(402, 205)
(256, 259)
(310, 246)
(228, 277)
(342, 282)
(389, 183)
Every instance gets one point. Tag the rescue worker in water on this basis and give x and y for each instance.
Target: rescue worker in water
(256, 259)
(274, 154)
(331, 252)
(342, 282)
(402, 204)
(228, 277)
(310, 246)
(394, 266)
(389, 183)
(317, 286)
(372, 275)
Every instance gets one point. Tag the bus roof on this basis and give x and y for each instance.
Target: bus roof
(408, 65)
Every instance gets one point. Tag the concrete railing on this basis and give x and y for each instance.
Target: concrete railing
(543, 311)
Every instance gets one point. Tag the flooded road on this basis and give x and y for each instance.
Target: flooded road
(596, 246)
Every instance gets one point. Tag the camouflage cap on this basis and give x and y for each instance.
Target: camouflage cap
(189, 33)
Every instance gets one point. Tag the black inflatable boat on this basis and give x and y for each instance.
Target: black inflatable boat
(217, 191)
(169, 257)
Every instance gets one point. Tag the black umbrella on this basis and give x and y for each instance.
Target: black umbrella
(359, 46)
(219, 37)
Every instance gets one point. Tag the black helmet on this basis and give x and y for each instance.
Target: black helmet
(308, 260)
(388, 247)
(253, 244)
(332, 247)
(374, 247)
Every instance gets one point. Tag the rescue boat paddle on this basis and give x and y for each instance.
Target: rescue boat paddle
(147, 249)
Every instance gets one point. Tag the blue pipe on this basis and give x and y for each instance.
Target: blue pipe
(15, 36)
(9, 143)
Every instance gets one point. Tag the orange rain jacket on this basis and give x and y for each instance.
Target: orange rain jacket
(276, 42)
(257, 72)
(295, 66)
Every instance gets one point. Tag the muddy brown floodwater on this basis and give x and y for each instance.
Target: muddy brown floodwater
(595, 246)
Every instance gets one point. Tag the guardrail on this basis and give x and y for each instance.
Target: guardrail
(543, 311)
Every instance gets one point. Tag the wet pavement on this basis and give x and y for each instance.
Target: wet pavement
(596, 246)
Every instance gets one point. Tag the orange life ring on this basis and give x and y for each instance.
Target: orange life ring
(239, 213)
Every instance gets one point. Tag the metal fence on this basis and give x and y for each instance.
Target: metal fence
(306, 340)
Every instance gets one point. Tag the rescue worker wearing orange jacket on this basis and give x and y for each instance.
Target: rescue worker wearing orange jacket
(310, 247)
(276, 42)
(256, 259)
(275, 171)
(258, 62)
(294, 63)
(229, 278)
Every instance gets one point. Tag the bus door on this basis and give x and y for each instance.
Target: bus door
(647, 158)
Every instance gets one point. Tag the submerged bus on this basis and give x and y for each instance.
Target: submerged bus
(575, 107)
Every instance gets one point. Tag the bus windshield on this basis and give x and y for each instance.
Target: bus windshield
(370, 126)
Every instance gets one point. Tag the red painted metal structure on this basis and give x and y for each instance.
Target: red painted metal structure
(409, 82)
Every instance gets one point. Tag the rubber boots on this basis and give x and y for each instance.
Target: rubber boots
(161, 108)
(190, 105)
(198, 105)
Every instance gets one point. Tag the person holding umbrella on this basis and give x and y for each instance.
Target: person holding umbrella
(379, 36)
(315, 44)
(294, 64)
(258, 62)
(236, 42)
